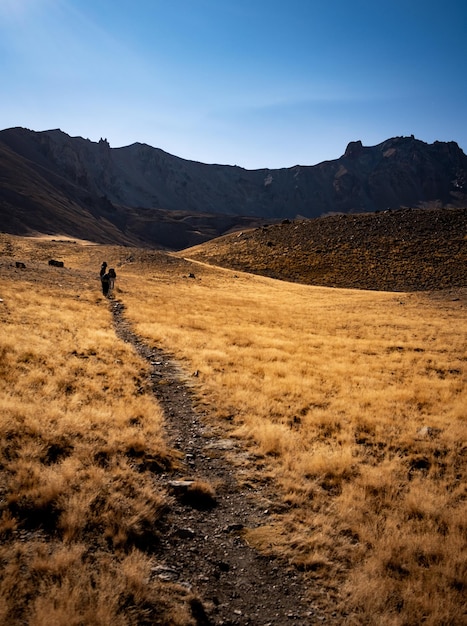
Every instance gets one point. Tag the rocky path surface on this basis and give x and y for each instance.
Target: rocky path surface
(203, 547)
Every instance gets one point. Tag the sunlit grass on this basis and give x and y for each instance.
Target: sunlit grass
(351, 406)
(355, 404)
(80, 440)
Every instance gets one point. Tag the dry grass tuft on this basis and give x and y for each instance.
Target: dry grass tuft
(201, 494)
(48, 583)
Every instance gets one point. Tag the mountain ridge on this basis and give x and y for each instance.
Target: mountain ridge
(140, 195)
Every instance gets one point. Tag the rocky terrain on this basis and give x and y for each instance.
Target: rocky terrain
(139, 195)
(404, 250)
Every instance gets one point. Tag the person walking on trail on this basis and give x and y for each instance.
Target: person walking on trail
(103, 269)
(105, 281)
(112, 277)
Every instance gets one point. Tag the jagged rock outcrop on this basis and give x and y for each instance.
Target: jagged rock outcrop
(50, 180)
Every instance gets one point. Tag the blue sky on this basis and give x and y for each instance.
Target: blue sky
(249, 82)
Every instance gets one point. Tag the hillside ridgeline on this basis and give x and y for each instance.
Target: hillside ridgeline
(404, 250)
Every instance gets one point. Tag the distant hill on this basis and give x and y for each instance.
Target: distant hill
(402, 250)
(139, 195)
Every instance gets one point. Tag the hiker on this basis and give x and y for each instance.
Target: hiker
(105, 280)
(112, 277)
(103, 269)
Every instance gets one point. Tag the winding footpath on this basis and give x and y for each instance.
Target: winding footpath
(202, 545)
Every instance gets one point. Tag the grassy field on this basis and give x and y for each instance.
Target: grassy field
(350, 406)
(80, 513)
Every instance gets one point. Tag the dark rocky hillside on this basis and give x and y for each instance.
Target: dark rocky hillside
(403, 250)
(53, 183)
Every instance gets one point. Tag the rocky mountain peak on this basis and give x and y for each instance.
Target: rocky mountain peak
(354, 148)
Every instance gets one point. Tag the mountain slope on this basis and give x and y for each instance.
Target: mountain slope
(47, 194)
(403, 250)
(50, 180)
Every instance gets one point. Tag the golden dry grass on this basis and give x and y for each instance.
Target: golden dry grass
(351, 405)
(80, 439)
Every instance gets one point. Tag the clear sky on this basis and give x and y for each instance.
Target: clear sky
(257, 83)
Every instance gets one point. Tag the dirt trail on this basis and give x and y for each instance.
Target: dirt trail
(203, 547)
